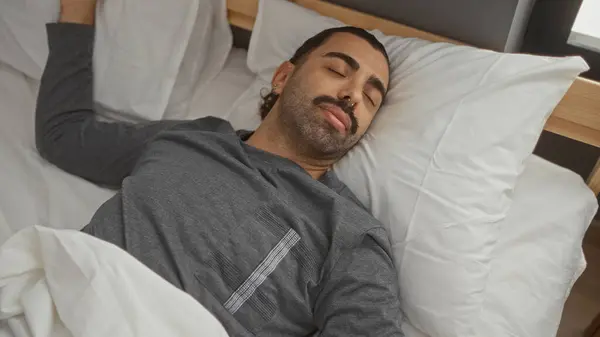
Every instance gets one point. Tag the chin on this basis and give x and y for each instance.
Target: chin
(328, 147)
(321, 140)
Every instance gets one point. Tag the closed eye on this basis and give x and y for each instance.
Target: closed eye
(370, 99)
(336, 72)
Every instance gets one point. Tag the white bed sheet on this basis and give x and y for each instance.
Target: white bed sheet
(536, 244)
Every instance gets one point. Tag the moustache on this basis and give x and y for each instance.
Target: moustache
(343, 104)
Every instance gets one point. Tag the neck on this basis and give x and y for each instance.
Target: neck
(270, 138)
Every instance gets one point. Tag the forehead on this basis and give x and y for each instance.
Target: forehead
(369, 58)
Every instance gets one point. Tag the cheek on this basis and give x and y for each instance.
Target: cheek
(364, 119)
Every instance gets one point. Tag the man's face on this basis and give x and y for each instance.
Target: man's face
(330, 99)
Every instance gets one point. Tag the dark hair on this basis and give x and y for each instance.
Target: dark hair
(269, 99)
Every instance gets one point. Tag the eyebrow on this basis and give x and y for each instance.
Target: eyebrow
(352, 63)
(346, 58)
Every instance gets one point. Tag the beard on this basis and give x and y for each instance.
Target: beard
(306, 127)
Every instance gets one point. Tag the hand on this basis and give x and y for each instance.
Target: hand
(78, 11)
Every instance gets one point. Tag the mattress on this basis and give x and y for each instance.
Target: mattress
(535, 263)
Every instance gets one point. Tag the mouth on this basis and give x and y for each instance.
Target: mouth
(336, 117)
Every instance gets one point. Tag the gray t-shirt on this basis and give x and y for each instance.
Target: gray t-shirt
(269, 250)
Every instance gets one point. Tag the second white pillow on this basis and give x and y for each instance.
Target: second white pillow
(148, 56)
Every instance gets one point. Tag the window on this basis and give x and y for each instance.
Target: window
(585, 32)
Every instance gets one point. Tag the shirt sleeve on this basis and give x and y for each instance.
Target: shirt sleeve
(360, 296)
(67, 132)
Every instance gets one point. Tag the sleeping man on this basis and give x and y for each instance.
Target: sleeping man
(254, 225)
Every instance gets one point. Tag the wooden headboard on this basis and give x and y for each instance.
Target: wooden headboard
(577, 116)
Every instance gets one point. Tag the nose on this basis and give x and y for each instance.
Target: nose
(351, 93)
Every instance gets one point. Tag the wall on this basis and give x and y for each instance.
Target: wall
(493, 24)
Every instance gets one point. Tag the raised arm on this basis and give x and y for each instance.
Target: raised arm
(67, 132)
(360, 296)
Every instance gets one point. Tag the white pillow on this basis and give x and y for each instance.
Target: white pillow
(139, 50)
(439, 164)
(539, 254)
(206, 54)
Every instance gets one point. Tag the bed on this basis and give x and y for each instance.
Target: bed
(43, 194)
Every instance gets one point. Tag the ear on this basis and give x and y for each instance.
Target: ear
(281, 76)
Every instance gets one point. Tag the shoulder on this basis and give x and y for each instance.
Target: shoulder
(210, 124)
(331, 180)
(356, 215)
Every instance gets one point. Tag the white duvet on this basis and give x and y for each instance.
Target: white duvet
(63, 283)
